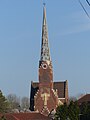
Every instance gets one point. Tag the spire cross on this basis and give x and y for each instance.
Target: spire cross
(44, 3)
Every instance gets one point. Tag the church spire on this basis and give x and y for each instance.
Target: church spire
(45, 64)
(45, 54)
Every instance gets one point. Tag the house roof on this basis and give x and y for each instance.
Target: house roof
(8, 116)
(25, 116)
(85, 98)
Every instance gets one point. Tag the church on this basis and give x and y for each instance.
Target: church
(46, 95)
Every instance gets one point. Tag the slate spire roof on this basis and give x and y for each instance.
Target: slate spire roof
(45, 54)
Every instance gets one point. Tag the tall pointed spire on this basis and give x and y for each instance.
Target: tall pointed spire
(45, 54)
(45, 64)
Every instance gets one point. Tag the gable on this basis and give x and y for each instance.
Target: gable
(59, 86)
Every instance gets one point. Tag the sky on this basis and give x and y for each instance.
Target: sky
(20, 43)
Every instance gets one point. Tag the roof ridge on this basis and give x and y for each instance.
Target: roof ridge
(15, 117)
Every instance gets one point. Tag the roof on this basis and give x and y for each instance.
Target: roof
(25, 116)
(45, 54)
(60, 86)
(8, 116)
(85, 98)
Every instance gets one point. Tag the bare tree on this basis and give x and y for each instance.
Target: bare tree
(14, 101)
(25, 103)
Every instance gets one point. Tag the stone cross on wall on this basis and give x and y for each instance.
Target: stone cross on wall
(45, 98)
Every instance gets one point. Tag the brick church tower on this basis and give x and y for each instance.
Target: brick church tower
(47, 95)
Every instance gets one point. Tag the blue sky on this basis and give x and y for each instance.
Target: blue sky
(20, 42)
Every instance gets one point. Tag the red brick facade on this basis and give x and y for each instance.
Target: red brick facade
(46, 98)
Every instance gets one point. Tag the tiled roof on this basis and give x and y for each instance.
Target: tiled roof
(26, 116)
(31, 116)
(85, 98)
(60, 86)
(0, 115)
(8, 117)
